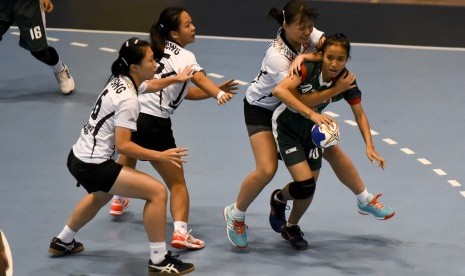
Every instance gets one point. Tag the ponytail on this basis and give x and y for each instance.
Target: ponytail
(277, 14)
(157, 40)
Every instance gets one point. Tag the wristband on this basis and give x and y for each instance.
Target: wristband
(220, 94)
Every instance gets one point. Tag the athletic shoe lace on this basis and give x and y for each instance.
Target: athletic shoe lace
(239, 227)
(375, 203)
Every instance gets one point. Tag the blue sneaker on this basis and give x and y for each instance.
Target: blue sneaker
(235, 229)
(277, 213)
(375, 208)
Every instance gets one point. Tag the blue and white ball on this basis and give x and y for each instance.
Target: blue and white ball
(324, 136)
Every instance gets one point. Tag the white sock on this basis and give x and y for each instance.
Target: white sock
(180, 226)
(67, 234)
(122, 198)
(157, 251)
(238, 213)
(57, 68)
(363, 196)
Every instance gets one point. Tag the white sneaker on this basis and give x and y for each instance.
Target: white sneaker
(66, 81)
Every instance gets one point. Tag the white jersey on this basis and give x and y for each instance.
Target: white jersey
(117, 106)
(163, 103)
(275, 67)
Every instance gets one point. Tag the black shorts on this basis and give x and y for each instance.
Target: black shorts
(154, 133)
(28, 17)
(257, 118)
(294, 140)
(94, 177)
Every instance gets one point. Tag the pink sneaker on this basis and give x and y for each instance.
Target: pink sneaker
(186, 241)
(117, 206)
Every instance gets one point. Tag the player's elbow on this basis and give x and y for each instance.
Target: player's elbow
(278, 92)
(123, 147)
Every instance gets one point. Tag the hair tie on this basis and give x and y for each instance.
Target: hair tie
(161, 26)
(125, 62)
(284, 17)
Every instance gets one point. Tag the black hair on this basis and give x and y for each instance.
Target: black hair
(132, 51)
(160, 30)
(337, 39)
(293, 11)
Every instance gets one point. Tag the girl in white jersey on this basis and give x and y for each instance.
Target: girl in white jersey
(169, 35)
(109, 128)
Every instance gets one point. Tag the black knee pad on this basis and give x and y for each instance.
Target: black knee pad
(302, 189)
(48, 56)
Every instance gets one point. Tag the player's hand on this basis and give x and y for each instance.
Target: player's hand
(46, 6)
(225, 98)
(345, 82)
(319, 119)
(229, 86)
(373, 156)
(294, 68)
(185, 74)
(174, 156)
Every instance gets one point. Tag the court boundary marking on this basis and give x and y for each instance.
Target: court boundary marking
(395, 46)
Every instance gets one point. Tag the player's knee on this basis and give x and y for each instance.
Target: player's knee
(159, 193)
(267, 171)
(302, 189)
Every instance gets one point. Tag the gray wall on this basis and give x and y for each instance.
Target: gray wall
(370, 23)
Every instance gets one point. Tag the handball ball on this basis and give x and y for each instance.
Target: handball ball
(324, 136)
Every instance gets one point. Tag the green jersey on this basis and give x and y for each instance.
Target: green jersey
(312, 81)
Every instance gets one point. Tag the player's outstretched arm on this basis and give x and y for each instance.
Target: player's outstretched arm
(155, 85)
(364, 127)
(207, 85)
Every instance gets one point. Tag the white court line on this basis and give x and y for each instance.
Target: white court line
(407, 151)
(15, 33)
(241, 82)
(79, 44)
(410, 47)
(390, 141)
(350, 122)
(108, 50)
(463, 193)
(373, 132)
(454, 183)
(439, 172)
(214, 75)
(332, 114)
(424, 161)
(257, 39)
(54, 39)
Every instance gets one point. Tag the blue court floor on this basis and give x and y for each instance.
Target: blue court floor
(413, 97)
